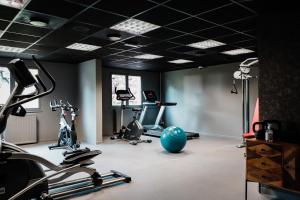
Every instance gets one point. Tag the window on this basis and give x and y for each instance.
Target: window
(134, 83)
(4, 84)
(35, 104)
(123, 82)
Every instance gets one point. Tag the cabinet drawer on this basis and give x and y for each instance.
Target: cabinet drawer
(270, 177)
(265, 150)
(264, 163)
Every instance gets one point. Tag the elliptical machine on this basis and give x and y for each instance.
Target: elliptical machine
(134, 130)
(67, 137)
(21, 173)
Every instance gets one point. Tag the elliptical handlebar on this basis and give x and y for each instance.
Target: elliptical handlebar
(38, 81)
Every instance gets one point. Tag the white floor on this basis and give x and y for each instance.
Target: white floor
(209, 168)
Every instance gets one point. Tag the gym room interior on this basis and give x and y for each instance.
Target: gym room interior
(149, 99)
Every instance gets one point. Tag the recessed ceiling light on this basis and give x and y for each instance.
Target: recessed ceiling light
(206, 44)
(237, 51)
(114, 36)
(11, 49)
(13, 3)
(148, 56)
(180, 61)
(83, 47)
(135, 26)
(39, 22)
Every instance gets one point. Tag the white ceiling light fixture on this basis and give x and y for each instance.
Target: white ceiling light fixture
(180, 61)
(135, 26)
(206, 44)
(148, 56)
(114, 36)
(237, 51)
(83, 47)
(11, 49)
(39, 22)
(200, 67)
(13, 3)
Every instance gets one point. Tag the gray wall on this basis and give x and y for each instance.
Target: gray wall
(66, 89)
(150, 80)
(204, 101)
(90, 101)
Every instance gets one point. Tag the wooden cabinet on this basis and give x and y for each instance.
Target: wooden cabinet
(274, 164)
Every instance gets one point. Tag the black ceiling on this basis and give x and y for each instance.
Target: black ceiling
(87, 21)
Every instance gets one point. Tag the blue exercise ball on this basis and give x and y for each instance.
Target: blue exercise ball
(173, 139)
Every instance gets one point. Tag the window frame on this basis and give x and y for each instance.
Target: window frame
(126, 85)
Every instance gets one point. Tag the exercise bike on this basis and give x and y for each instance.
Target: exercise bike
(67, 137)
(21, 173)
(134, 130)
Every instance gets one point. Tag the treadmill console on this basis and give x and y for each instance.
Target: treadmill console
(150, 96)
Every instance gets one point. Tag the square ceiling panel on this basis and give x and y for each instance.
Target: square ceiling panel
(13, 43)
(128, 53)
(27, 29)
(42, 50)
(181, 49)
(163, 33)
(69, 33)
(95, 41)
(140, 40)
(230, 39)
(195, 7)
(226, 14)
(84, 2)
(19, 37)
(163, 45)
(161, 16)
(243, 25)
(186, 39)
(100, 18)
(191, 25)
(3, 24)
(214, 32)
(8, 13)
(55, 7)
(246, 44)
(125, 7)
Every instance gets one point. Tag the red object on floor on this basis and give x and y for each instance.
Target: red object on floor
(255, 118)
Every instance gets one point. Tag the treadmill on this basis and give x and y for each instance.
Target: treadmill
(155, 130)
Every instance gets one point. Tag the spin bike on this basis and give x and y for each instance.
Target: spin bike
(133, 131)
(21, 173)
(67, 137)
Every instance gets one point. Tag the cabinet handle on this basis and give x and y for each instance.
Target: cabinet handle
(263, 163)
(263, 150)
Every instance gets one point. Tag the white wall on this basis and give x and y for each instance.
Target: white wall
(204, 101)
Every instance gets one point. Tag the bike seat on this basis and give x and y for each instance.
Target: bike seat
(137, 109)
(81, 157)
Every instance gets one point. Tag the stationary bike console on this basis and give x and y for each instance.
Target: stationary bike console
(124, 95)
